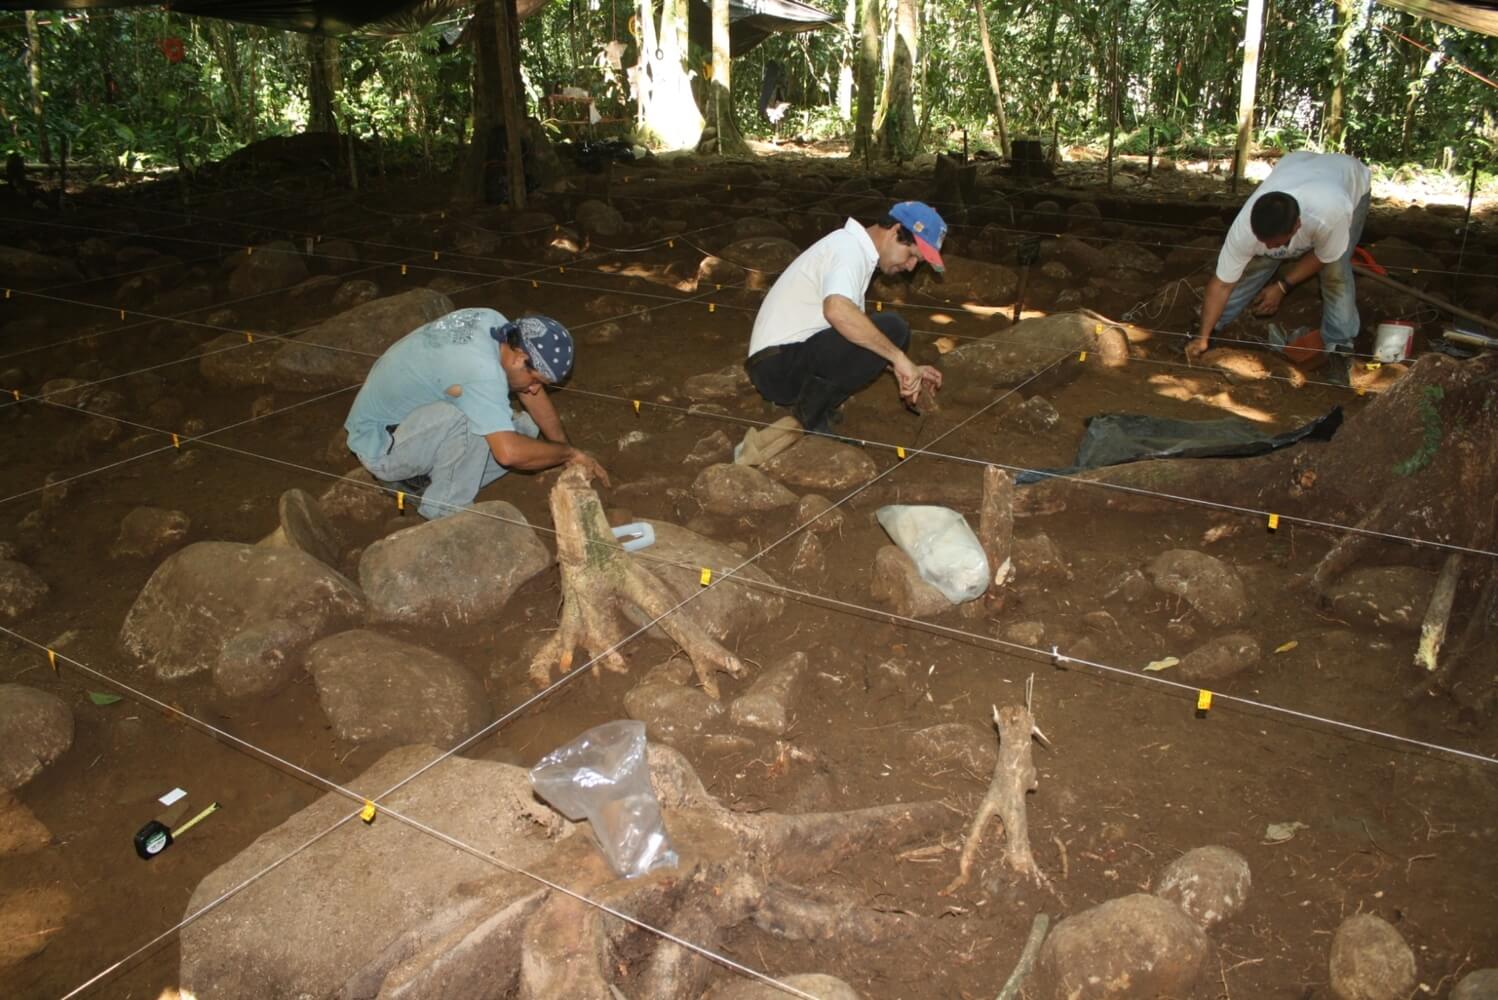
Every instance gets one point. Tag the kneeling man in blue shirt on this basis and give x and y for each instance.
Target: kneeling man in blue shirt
(436, 406)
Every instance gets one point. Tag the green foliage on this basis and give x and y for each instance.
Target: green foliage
(1430, 442)
(111, 89)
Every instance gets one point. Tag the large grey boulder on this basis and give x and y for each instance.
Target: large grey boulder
(24, 269)
(812, 983)
(1370, 961)
(373, 687)
(741, 604)
(261, 659)
(1138, 947)
(204, 595)
(271, 267)
(1210, 883)
(725, 383)
(1209, 585)
(35, 729)
(1392, 597)
(462, 568)
(820, 463)
(1479, 985)
(898, 585)
(967, 280)
(236, 362)
(21, 590)
(1220, 657)
(764, 257)
(311, 928)
(730, 489)
(1032, 346)
(340, 351)
(769, 704)
(595, 218)
(669, 704)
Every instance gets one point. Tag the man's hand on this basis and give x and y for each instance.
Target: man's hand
(1267, 302)
(912, 378)
(589, 465)
(1196, 347)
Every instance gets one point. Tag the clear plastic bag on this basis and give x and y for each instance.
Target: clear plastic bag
(603, 776)
(947, 553)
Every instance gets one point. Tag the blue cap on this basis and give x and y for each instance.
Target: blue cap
(545, 341)
(926, 226)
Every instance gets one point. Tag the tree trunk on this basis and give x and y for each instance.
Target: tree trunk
(899, 132)
(1112, 94)
(993, 78)
(845, 67)
(668, 113)
(720, 103)
(322, 82)
(1346, 14)
(1253, 31)
(485, 102)
(34, 68)
(868, 78)
(1420, 74)
(511, 98)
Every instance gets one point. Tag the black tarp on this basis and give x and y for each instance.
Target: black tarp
(1117, 438)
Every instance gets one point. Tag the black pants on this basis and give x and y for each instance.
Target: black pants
(827, 354)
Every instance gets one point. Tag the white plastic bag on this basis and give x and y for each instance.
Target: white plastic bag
(604, 777)
(944, 548)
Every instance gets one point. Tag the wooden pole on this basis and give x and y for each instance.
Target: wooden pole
(1113, 97)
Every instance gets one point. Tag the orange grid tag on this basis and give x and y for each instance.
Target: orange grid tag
(1274, 522)
(706, 577)
(1203, 700)
(52, 659)
(367, 814)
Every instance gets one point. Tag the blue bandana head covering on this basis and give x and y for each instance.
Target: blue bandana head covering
(545, 341)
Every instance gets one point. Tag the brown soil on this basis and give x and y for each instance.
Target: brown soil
(1135, 776)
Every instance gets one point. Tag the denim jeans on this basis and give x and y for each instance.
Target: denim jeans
(435, 440)
(1339, 305)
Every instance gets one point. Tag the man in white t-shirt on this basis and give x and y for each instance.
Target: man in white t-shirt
(433, 417)
(813, 346)
(1309, 211)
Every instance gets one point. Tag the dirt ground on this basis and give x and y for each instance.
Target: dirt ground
(1134, 777)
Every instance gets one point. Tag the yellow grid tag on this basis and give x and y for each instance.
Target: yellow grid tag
(671, 244)
(7, 293)
(1082, 356)
(1203, 700)
(122, 314)
(878, 306)
(535, 283)
(706, 577)
(249, 251)
(367, 814)
(637, 406)
(249, 337)
(436, 255)
(1362, 391)
(1374, 366)
(400, 500)
(16, 393)
(52, 659)
(1274, 522)
(712, 307)
(561, 269)
(899, 451)
(403, 269)
(176, 441)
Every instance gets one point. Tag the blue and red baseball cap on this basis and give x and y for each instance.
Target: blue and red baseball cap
(927, 228)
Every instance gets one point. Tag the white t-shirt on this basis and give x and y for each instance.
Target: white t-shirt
(1328, 187)
(839, 263)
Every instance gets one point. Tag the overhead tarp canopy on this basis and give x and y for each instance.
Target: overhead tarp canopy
(1474, 15)
(750, 21)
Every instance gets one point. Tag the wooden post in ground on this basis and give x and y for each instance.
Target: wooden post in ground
(1253, 32)
(505, 19)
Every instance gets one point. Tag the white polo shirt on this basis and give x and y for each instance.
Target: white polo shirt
(840, 263)
(1328, 187)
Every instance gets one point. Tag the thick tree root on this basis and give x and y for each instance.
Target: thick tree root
(598, 578)
(1013, 778)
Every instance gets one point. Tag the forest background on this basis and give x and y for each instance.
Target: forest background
(134, 91)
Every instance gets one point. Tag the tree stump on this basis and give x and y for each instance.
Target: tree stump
(598, 578)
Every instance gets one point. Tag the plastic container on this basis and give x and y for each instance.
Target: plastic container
(603, 776)
(1392, 341)
(636, 536)
(945, 550)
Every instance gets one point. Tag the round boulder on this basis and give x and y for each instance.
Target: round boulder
(738, 489)
(21, 590)
(1210, 883)
(819, 463)
(1392, 597)
(1479, 985)
(1208, 584)
(595, 218)
(813, 983)
(1221, 657)
(1370, 961)
(35, 729)
(373, 687)
(150, 531)
(1136, 947)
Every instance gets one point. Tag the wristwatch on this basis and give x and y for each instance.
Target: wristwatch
(1285, 286)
